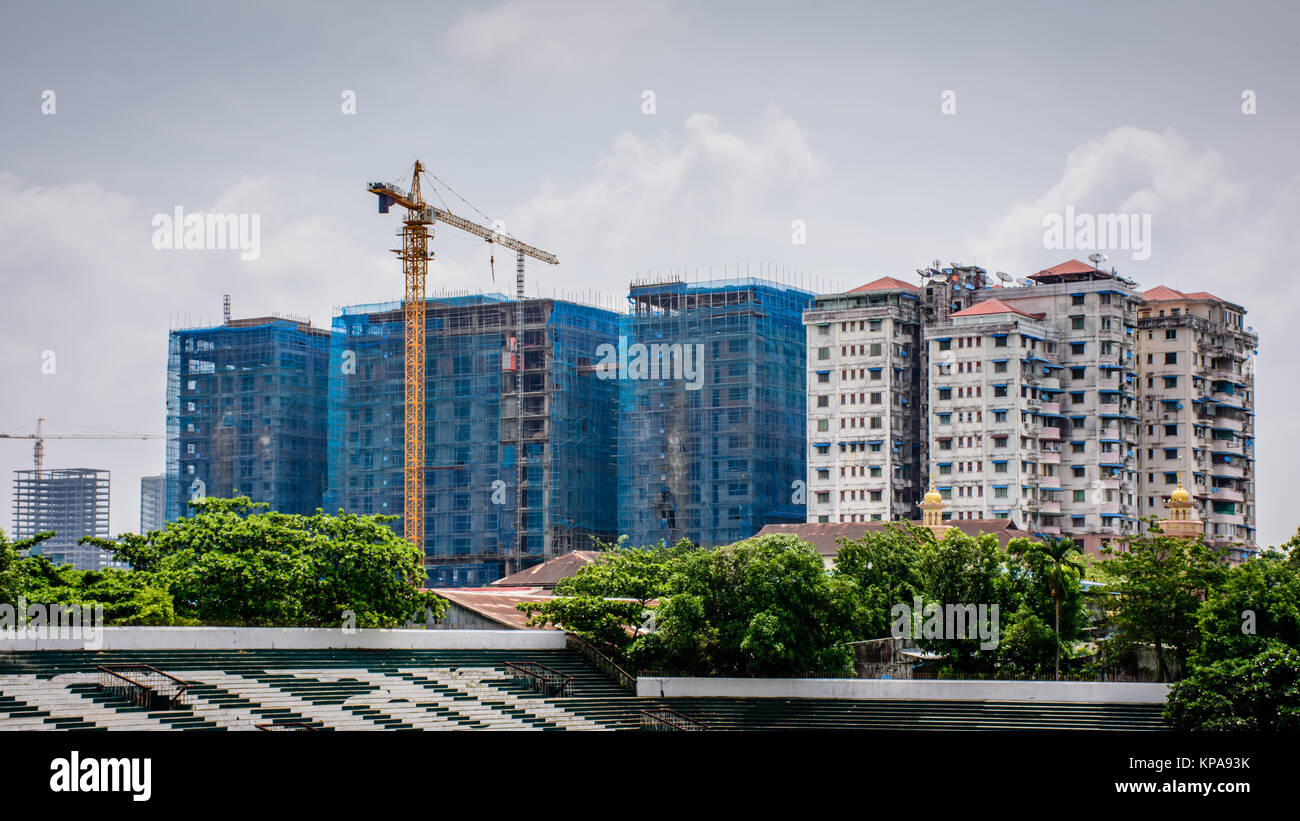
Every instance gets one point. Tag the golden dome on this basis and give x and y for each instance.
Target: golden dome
(1180, 495)
(933, 497)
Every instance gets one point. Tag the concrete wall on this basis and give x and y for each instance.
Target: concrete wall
(285, 638)
(906, 690)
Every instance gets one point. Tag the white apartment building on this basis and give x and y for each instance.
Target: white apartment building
(1067, 404)
(864, 453)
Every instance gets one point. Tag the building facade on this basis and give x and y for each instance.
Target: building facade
(520, 430)
(246, 414)
(1067, 402)
(864, 391)
(712, 398)
(153, 503)
(72, 502)
(1197, 404)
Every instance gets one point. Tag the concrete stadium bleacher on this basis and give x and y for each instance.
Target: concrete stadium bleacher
(332, 688)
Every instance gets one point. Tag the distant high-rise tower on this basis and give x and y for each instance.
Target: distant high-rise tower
(73, 502)
(153, 503)
(246, 414)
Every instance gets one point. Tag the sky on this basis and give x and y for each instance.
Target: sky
(822, 144)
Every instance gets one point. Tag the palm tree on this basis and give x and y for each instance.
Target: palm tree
(1053, 561)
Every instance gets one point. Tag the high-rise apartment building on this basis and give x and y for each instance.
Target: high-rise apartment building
(153, 503)
(711, 410)
(1050, 402)
(72, 502)
(520, 429)
(864, 390)
(1197, 403)
(246, 414)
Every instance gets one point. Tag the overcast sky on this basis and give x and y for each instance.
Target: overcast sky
(897, 133)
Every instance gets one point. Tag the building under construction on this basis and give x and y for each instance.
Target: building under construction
(246, 414)
(711, 434)
(519, 430)
(72, 502)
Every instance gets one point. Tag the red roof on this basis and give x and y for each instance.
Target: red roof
(886, 284)
(1160, 293)
(1072, 266)
(994, 306)
(546, 574)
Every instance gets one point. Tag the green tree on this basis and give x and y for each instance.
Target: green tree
(962, 570)
(1256, 692)
(1056, 566)
(231, 563)
(605, 602)
(763, 607)
(883, 564)
(1161, 581)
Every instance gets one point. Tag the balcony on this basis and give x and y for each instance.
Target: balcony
(1109, 407)
(1051, 407)
(1050, 432)
(1227, 423)
(1108, 384)
(1049, 457)
(1049, 383)
(1049, 507)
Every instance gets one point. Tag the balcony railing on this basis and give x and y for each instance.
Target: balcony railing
(143, 685)
(543, 679)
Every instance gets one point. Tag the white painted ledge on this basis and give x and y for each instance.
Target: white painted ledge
(284, 638)
(1080, 692)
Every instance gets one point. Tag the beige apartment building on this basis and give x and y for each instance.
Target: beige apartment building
(1197, 403)
(1050, 403)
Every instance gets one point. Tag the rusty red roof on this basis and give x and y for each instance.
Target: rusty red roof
(1067, 268)
(546, 574)
(495, 604)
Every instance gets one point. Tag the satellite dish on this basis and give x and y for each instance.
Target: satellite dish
(1003, 275)
(1097, 259)
(1024, 281)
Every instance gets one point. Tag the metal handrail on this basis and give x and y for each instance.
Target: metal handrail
(662, 718)
(625, 679)
(285, 726)
(156, 690)
(541, 678)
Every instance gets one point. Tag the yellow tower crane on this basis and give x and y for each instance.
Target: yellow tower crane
(415, 255)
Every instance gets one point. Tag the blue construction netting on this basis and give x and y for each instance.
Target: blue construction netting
(246, 414)
(473, 430)
(715, 454)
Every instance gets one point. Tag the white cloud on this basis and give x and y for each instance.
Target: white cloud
(708, 194)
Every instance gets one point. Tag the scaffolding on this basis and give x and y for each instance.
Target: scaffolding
(715, 461)
(512, 405)
(73, 502)
(246, 414)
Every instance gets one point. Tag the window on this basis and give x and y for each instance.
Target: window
(1078, 471)
(1171, 333)
(823, 353)
(945, 394)
(999, 342)
(823, 401)
(1000, 492)
(1076, 323)
(1171, 381)
(1076, 299)
(945, 344)
(875, 349)
(999, 467)
(824, 378)
(875, 398)
(1077, 447)
(999, 441)
(999, 416)
(823, 497)
(1171, 357)
(945, 470)
(999, 367)
(823, 424)
(1171, 430)
(1080, 495)
(999, 390)
(823, 473)
(1078, 348)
